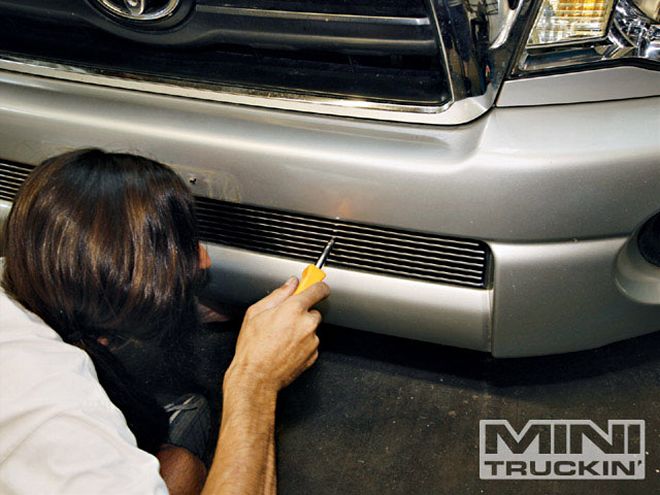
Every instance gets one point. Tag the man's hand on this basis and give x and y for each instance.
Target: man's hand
(277, 342)
(278, 338)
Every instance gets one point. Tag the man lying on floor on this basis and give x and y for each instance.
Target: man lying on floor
(101, 251)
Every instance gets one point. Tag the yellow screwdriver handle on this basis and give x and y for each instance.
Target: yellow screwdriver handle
(310, 276)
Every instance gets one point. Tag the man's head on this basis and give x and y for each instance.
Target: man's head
(100, 244)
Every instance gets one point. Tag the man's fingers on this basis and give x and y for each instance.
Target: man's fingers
(315, 316)
(275, 298)
(311, 360)
(312, 295)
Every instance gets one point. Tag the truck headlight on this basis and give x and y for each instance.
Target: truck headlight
(575, 33)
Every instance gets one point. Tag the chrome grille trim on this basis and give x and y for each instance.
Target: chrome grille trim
(324, 16)
(376, 249)
(358, 246)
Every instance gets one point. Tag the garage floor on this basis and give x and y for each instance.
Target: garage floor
(381, 415)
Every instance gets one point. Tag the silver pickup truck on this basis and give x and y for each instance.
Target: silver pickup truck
(490, 169)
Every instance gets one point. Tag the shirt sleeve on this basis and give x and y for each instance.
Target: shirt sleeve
(72, 454)
(59, 431)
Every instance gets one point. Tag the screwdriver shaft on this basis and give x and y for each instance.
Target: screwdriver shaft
(324, 255)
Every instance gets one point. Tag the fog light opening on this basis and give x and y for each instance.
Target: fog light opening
(648, 240)
(637, 269)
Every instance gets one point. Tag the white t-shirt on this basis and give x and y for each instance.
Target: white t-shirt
(59, 432)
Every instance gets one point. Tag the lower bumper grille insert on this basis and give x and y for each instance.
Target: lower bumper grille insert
(375, 249)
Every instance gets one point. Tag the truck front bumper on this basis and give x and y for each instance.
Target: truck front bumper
(557, 192)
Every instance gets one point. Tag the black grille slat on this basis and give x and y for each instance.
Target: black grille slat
(7, 194)
(438, 276)
(405, 274)
(12, 176)
(11, 181)
(441, 270)
(12, 168)
(421, 261)
(316, 29)
(364, 247)
(220, 229)
(375, 249)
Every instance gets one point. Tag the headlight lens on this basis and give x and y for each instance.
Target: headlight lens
(569, 33)
(570, 20)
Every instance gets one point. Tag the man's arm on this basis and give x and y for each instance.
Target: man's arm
(277, 342)
(270, 487)
(240, 465)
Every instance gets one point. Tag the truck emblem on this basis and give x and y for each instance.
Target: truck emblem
(140, 10)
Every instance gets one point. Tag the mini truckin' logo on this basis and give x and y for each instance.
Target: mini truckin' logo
(140, 10)
(562, 449)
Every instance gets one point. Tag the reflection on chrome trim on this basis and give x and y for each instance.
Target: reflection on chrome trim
(483, 36)
(433, 11)
(306, 16)
(504, 27)
(458, 112)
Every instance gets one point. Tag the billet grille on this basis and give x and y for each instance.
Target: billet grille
(374, 249)
(357, 246)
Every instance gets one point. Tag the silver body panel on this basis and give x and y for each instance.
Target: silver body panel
(614, 83)
(562, 297)
(554, 190)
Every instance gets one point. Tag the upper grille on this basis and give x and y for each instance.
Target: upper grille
(381, 51)
(374, 249)
(363, 247)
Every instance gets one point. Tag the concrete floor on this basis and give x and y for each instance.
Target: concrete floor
(381, 415)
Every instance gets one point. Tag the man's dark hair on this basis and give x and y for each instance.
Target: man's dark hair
(104, 246)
